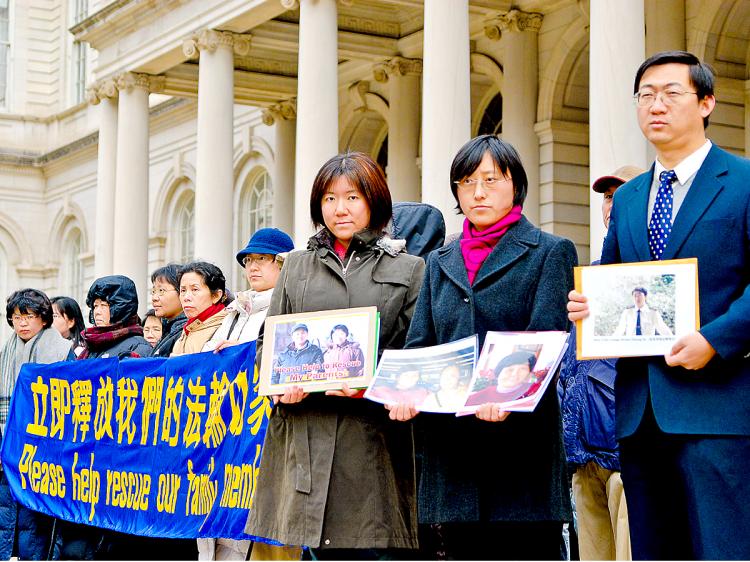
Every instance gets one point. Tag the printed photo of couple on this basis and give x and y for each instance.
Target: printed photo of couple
(319, 351)
(433, 379)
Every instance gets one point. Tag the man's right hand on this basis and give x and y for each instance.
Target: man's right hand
(578, 306)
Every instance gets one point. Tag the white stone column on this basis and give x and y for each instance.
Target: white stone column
(614, 136)
(104, 94)
(520, 32)
(403, 77)
(130, 238)
(283, 117)
(214, 170)
(446, 101)
(317, 104)
(665, 25)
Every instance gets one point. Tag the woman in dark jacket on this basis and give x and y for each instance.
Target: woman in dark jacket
(117, 332)
(492, 486)
(336, 474)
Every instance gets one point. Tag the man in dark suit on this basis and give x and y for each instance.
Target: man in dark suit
(683, 420)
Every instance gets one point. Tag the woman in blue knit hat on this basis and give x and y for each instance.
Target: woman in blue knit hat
(261, 259)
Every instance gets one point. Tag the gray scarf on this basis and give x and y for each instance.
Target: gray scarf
(48, 346)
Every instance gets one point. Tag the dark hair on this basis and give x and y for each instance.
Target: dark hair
(365, 175)
(340, 327)
(506, 158)
(29, 301)
(639, 290)
(169, 273)
(701, 74)
(149, 312)
(69, 308)
(211, 275)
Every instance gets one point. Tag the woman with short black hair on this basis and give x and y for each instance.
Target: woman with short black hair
(68, 319)
(327, 452)
(24, 533)
(203, 294)
(503, 274)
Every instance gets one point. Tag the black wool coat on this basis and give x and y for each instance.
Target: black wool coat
(472, 470)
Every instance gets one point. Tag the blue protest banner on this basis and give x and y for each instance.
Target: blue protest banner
(154, 447)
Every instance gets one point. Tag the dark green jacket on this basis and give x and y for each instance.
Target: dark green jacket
(336, 472)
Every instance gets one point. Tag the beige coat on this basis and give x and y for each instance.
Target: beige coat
(198, 334)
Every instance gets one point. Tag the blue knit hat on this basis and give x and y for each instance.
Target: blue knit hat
(266, 241)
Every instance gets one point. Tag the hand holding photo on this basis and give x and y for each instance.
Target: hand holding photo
(637, 309)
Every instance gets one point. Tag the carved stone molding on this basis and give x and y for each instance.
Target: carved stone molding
(210, 39)
(103, 89)
(285, 110)
(129, 80)
(399, 66)
(514, 20)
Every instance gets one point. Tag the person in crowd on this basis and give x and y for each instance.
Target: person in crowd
(640, 319)
(336, 474)
(68, 319)
(342, 350)
(503, 274)
(682, 418)
(27, 534)
(513, 376)
(165, 298)
(587, 403)
(152, 328)
(261, 259)
(116, 330)
(297, 354)
(420, 225)
(203, 295)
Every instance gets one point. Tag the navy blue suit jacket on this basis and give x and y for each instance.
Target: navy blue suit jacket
(713, 225)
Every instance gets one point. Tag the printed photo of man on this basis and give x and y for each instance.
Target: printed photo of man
(640, 320)
(298, 353)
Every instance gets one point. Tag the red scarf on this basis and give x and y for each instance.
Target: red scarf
(340, 249)
(205, 315)
(476, 246)
(100, 337)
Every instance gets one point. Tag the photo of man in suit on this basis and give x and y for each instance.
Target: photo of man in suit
(640, 320)
(683, 420)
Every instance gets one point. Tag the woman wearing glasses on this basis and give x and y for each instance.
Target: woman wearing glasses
(262, 259)
(503, 274)
(165, 298)
(24, 533)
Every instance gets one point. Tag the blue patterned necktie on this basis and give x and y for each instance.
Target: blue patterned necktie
(638, 323)
(660, 224)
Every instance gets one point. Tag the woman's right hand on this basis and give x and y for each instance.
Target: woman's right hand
(578, 306)
(403, 411)
(293, 395)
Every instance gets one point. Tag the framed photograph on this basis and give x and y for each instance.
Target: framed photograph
(434, 379)
(319, 350)
(514, 369)
(637, 309)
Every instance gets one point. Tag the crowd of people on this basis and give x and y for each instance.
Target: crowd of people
(346, 478)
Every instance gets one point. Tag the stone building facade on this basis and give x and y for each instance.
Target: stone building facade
(133, 133)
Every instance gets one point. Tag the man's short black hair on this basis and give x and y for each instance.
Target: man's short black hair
(29, 301)
(701, 74)
(169, 273)
(641, 290)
